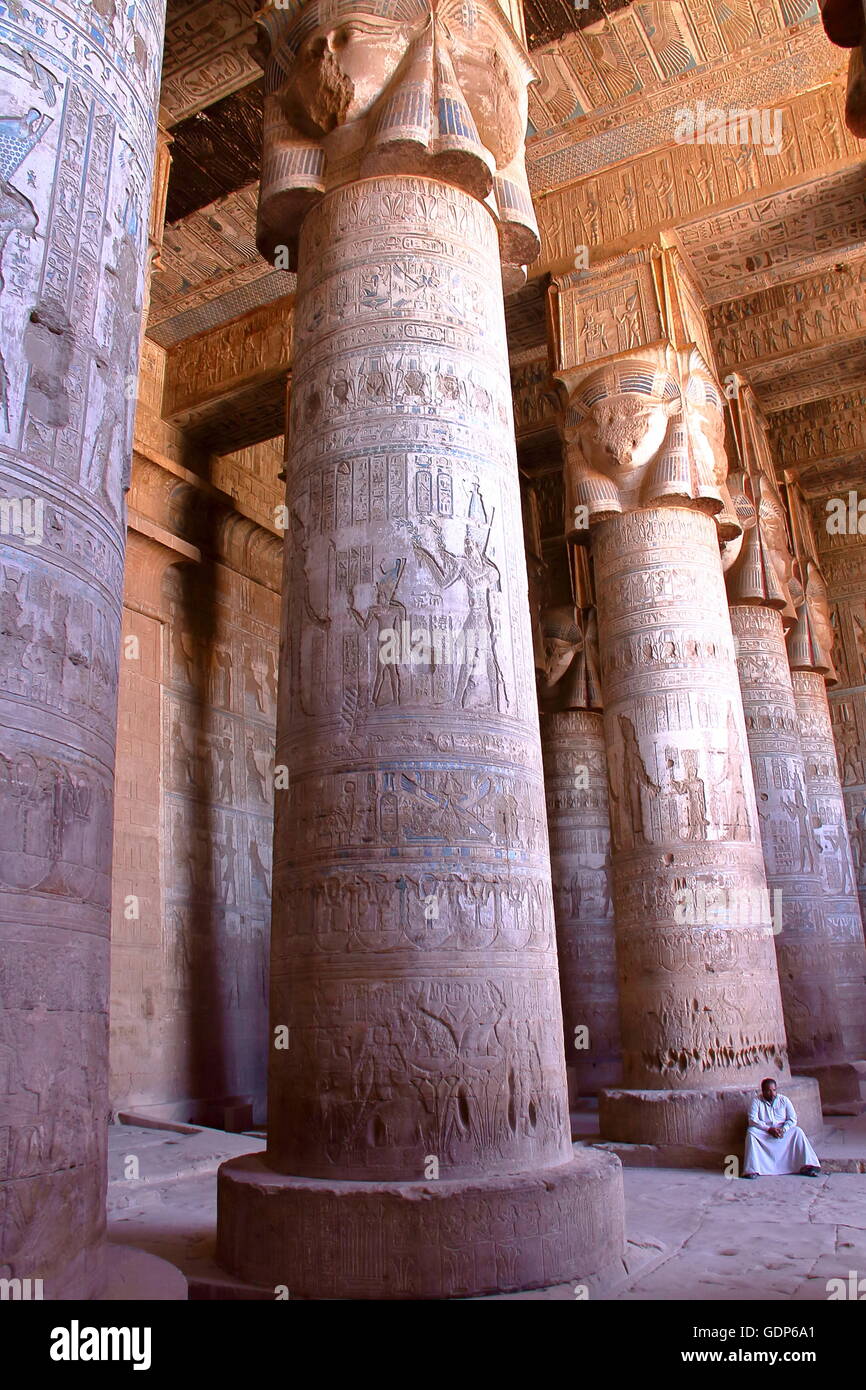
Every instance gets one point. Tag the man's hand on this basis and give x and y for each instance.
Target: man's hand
(775, 1131)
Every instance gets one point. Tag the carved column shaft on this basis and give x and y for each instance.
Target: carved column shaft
(78, 131)
(578, 822)
(810, 949)
(843, 930)
(414, 844)
(413, 952)
(647, 472)
(698, 991)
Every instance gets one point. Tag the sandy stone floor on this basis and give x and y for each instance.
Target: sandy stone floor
(691, 1234)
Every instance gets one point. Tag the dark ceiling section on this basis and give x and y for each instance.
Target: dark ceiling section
(215, 152)
(551, 19)
(526, 315)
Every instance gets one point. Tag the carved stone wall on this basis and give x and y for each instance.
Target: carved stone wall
(193, 820)
(189, 1005)
(78, 131)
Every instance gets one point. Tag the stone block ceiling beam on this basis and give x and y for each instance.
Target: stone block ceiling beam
(226, 389)
(207, 55)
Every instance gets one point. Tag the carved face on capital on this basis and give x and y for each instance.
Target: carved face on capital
(626, 430)
(341, 69)
(775, 532)
(562, 640)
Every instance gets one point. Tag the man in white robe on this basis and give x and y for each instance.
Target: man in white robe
(775, 1143)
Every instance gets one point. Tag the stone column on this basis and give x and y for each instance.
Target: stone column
(839, 961)
(823, 1000)
(699, 1002)
(418, 1142)
(79, 127)
(578, 823)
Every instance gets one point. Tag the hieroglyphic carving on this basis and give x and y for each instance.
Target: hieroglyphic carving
(784, 319)
(207, 55)
(77, 128)
(818, 945)
(575, 783)
(843, 557)
(400, 513)
(535, 399)
(605, 93)
(808, 228)
(647, 473)
(216, 759)
(214, 365)
(667, 187)
(683, 816)
(823, 429)
(810, 652)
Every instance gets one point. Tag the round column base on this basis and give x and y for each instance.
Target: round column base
(713, 1120)
(843, 1085)
(421, 1240)
(585, 1079)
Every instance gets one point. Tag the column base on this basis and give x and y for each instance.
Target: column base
(430, 1240)
(691, 1127)
(591, 1080)
(136, 1276)
(842, 1084)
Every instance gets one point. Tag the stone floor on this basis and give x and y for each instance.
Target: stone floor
(691, 1233)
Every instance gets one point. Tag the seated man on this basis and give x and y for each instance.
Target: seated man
(775, 1143)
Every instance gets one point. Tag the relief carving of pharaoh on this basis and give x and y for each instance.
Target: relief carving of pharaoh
(356, 88)
(640, 433)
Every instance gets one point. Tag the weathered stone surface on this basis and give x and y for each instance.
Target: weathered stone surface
(706, 1121)
(413, 964)
(698, 988)
(78, 132)
(578, 823)
(446, 1239)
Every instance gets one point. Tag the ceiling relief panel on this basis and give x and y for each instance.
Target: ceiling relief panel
(830, 431)
(771, 239)
(793, 341)
(211, 271)
(207, 54)
(811, 376)
(672, 188)
(623, 78)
